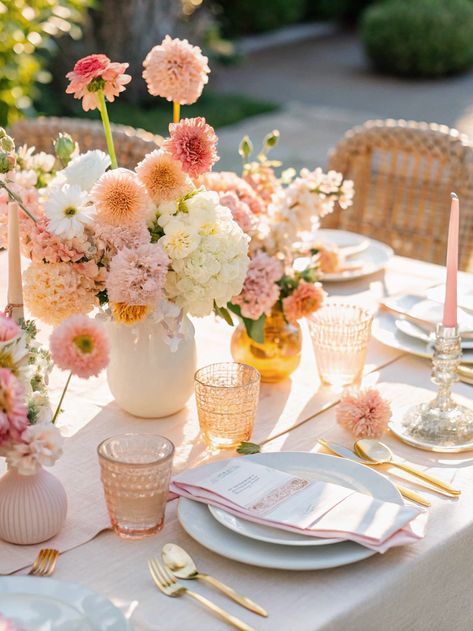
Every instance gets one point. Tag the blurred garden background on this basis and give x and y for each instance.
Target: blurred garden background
(311, 68)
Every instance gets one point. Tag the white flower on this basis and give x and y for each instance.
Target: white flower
(42, 161)
(66, 211)
(41, 445)
(179, 240)
(39, 401)
(85, 169)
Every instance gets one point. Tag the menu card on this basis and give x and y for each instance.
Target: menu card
(315, 508)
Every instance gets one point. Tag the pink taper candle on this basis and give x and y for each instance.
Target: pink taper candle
(450, 306)
(15, 289)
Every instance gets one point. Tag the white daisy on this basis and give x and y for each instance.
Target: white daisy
(85, 169)
(66, 211)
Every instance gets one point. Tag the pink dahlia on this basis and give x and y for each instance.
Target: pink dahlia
(304, 300)
(225, 181)
(80, 345)
(260, 291)
(192, 142)
(163, 177)
(364, 413)
(94, 73)
(13, 410)
(176, 71)
(9, 329)
(137, 276)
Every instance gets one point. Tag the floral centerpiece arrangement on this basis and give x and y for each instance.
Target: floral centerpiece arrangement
(29, 437)
(149, 246)
(279, 213)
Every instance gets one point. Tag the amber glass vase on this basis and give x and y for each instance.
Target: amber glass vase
(280, 353)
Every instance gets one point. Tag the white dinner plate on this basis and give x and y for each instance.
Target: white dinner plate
(384, 329)
(44, 604)
(198, 522)
(372, 259)
(465, 292)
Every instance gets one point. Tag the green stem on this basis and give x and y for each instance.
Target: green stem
(107, 129)
(14, 197)
(58, 409)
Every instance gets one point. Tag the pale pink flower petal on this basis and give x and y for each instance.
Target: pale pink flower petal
(119, 198)
(13, 410)
(9, 329)
(227, 181)
(80, 345)
(260, 291)
(365, 413)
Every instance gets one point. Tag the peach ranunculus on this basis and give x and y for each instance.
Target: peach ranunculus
(93, 73)
(305, 299)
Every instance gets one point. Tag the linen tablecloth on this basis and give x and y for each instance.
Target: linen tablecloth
(426, 586)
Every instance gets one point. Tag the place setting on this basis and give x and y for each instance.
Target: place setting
(128, 462)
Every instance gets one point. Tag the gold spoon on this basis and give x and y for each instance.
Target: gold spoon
(181, 565)
(379, 453)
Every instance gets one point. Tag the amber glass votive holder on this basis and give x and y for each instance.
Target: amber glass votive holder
(340, 335)
(227, 398)
(136, 472)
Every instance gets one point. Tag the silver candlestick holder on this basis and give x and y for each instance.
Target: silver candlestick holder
(442, 424)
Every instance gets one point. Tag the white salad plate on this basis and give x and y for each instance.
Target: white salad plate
(44, 604)
(372, 256)
(391, 330)
(229, 542)
(465, 292)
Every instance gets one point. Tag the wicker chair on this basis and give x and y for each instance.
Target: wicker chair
(131, 144)
(404, 172)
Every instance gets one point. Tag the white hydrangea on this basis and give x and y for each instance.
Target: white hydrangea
(85, 169)
(208, 252)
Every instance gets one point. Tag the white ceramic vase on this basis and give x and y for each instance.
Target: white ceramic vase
(32, 507)
(145, 376)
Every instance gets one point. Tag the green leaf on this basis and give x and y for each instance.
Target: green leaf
(254, 328)
(223, 313)
(248, 448)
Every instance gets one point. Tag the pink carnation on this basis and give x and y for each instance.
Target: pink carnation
(225, 181)
(9, 329)
(304, 300)
(192, 142)
(39, 244)
(240, 211)
(94, 73)
(260, 291)
(365, 413)
(137, 275)
(176, 71)
(110, 239)
(80, 345)
(13, 411)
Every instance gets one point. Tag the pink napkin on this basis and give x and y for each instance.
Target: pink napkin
(318, 509)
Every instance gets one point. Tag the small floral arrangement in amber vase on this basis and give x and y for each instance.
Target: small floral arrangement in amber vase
(29, 437)
(277, 211)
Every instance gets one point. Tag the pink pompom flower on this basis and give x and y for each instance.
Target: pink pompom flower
(80, 345)
(13, 411)
(192, 142)
(364, 413)
(304, 300)
(176, 71)
(93, 73)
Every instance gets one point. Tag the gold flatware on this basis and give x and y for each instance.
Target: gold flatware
(379, 453)
(168, 585)
(45, 562)
(344, 452)
(181, 564)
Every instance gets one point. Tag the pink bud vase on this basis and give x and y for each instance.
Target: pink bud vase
(32, 507)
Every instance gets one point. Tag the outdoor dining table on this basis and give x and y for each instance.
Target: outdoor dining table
(421, 587)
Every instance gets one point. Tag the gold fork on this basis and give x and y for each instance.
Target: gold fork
(166, 583)
(45, 562)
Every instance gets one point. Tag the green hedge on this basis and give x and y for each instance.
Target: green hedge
(242, 17)
(419, 38)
